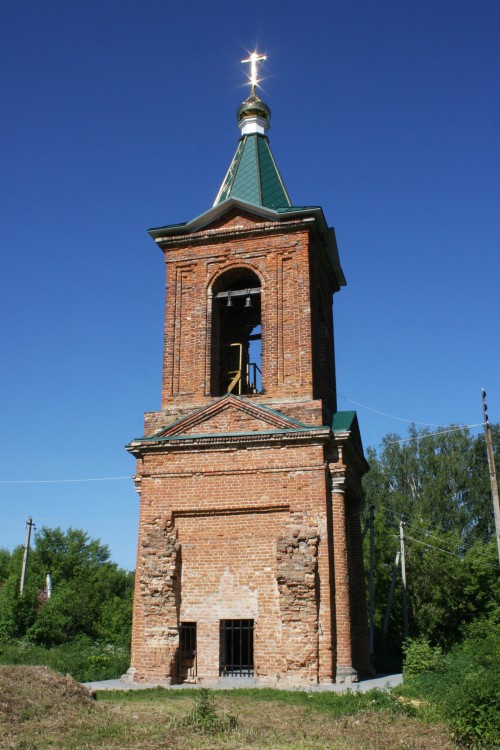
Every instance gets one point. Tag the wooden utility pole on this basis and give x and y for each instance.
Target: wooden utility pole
(29, 525)
(493, 471)
(372, 576)
(403, 578)
(391, 595)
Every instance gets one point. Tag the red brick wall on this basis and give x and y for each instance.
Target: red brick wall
(250, 530)
(230, 509)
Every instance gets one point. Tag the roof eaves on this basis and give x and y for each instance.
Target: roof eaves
(342, 421)
(208, 216)
(346, 422)
(250, 433)
(217, 210)
(157, 439)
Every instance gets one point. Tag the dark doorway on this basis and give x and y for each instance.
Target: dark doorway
(236, 334)
(236, 648)
(187, 651)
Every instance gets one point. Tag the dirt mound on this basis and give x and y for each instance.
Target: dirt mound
(28, 693)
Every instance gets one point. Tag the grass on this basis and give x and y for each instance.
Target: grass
(41, 710)
(335, 704)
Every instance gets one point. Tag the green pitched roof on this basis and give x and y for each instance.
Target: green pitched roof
(253, 176)
(347, 421)
(343, 421)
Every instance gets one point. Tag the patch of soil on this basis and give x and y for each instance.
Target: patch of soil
(28, 693)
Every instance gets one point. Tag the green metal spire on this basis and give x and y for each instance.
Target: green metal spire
(253, 176)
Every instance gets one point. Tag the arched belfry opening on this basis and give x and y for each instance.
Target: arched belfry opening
(236, 350)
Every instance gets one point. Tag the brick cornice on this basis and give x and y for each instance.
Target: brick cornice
(189, 442)
(221, 234)
(230, 472)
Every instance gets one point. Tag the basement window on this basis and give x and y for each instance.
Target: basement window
(236, 334)
(236, 648)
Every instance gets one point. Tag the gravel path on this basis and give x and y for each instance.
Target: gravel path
(382, 682)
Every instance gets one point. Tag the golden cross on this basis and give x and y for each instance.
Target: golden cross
(253, 59)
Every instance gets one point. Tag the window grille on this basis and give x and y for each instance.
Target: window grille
(187, 651)
(236, 648)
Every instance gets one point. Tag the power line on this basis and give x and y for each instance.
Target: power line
(408, 421)
(384, 414)
(61, 481)
(452, 554)
(424, 435)
(418, 528)
(422, 530)
(480, 552)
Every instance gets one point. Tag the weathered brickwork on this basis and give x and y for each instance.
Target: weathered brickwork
(297, 575)
(250, 505)
(159, 597)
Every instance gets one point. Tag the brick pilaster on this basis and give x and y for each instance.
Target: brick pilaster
(345, 671)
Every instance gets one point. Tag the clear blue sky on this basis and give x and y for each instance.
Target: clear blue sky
(119, 116)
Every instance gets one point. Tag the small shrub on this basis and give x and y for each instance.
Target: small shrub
(473, 710)
(205, 716)
(472, 702)
(464, 690)
(420, 656)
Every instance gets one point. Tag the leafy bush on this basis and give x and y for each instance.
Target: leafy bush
(83, 659)
(52, 627)
(8, 605)
(473, 669)
(465, 690)
(115, 622)
(473, 708)
(420, 656)
(17, 612)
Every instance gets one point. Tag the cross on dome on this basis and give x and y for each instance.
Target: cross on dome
(253, 115)
(254, 58)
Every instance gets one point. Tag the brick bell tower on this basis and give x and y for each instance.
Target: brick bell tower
(249, 561)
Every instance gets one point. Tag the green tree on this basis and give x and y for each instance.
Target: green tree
(5, 559)
(115, 621)
(439, 485)
(85, 582)
(68, 554)
(17, 613)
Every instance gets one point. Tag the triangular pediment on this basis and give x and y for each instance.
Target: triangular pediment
(239, 218)
(217, 216)
(229, 415)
